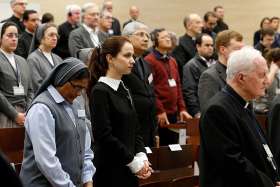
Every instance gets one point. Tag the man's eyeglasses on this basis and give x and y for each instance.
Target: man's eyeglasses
(142, 34)
(78, 88)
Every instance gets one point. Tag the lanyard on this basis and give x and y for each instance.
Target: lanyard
(167, 68)
(16, 71)
(261, 136)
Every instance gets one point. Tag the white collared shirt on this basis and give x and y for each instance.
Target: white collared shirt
(49, 57)
(11, 59)
(113, 83)
(93, 35)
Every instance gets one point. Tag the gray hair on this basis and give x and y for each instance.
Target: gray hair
(88, 6)
(242, 60)
(72, 7)
(132, 27)
(12, 2)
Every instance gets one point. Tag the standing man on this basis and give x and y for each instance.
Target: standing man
(186, 49)
(193, 70)
(31, 21)
(134, 15)
(57, 141)
(266, 41)
(105, 22)
(73, 20)
(221, 25)
(234, 150)
(169, 100)
(140, 81)
(210, 21)
(116, 26)
(18, 7)
(214, 79)
(88, 35)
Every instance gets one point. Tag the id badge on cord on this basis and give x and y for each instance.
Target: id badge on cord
(172, 82)
(81, 113)
(150, 78)
(18, 90)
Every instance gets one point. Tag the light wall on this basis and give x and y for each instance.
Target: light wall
(242, 15)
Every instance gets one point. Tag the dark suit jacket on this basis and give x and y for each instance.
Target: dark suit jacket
(64, 31)
(211, 81)
(116, 27)
(17, 21)
(144, 98)
(24, 43)
(117, 137)
(191, 74)
(184, 52)
(231, 149)
(80, 39)
(274, 127)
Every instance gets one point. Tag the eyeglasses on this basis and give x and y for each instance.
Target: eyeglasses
(142, 34)
(11, 35)
(78, 88)
(52, 35)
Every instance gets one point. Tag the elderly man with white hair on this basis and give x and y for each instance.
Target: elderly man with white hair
(73, 14)
(140, 81)
(234, 149)
(18, 7)
(88, 35)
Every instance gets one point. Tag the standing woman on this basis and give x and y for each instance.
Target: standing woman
(42, 60)
(120, 157)
(15, 81)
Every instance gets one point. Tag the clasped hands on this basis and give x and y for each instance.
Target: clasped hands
(146, 171)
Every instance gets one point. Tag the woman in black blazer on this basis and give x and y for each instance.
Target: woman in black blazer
(120, 157)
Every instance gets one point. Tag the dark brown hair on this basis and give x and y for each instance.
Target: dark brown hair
(98, 64)
(224, 37)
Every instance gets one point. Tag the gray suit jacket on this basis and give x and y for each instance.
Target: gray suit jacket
(40, 67)
(80, 39)
(8, 79)
(211, 81)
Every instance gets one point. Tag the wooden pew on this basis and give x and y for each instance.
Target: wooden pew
(185, 181)
(168, 159)
(11, 145)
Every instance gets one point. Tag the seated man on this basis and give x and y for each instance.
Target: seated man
(57, 141)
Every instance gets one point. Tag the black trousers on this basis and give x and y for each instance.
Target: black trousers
(166, 135)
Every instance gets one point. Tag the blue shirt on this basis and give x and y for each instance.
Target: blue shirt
(40, 126)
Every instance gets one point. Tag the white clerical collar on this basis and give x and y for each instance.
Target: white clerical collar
(113, 83)
(90, 30)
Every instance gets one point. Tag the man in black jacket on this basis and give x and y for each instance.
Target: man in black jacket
(192, 71)
(186, 48)
(140, 81)
(221, 25)
(116, 26)
(64, 30)
(31, 21)
(234, 150)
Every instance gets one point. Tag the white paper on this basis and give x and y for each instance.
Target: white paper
(148, 150)
(182, 136)
(175, 147)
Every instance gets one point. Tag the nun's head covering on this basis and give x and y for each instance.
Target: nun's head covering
(39, 34)
(62, 73)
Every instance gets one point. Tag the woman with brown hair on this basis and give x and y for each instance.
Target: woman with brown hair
(120, 157)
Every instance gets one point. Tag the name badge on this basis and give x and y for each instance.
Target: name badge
(18, 90)
(267, 150)
(172, 82)
(81, 113)
(150, 78)
(277, 91)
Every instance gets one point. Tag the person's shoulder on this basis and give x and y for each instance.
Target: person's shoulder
(20, 58)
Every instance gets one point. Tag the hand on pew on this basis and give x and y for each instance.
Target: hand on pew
(146, 171)
(162, 119)
(184, 115)
(20, 118)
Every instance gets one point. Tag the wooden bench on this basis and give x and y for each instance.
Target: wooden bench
(12, 144)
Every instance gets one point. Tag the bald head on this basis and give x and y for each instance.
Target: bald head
(134, 12)
(108, 5)
(193, 24)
